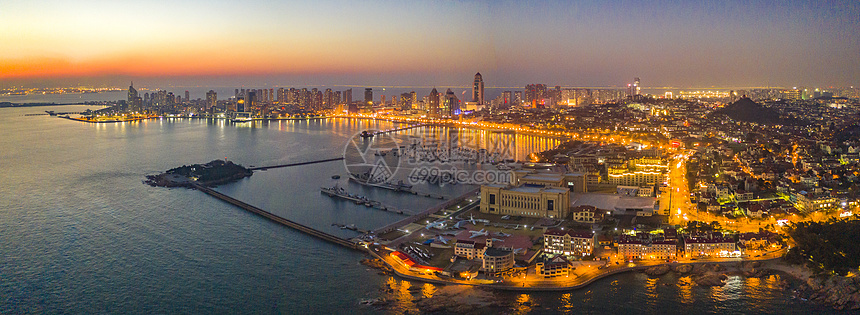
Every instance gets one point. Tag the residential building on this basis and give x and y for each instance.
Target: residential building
(709, 247)
(571, 243)
(469, 249)
(554, 267)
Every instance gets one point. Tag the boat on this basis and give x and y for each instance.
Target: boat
(365, 134)
(241, 120)
(335, 177)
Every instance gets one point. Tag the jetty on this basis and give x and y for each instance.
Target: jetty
(296, 164)
(398, 129)
(291, 224)
(338, 192)
(398, 187)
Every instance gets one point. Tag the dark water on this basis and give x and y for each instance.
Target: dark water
(80, 233)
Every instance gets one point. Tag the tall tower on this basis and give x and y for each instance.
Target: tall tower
(637, 89)
(478, 89)
(211, 99)
(368, 97)
(434, 103)
(132, 93)
(452, 104)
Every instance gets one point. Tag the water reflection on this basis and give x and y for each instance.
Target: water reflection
(685, 290)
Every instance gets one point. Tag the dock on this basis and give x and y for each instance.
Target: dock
(396, 188)
(295, 164)
(291, 224)
(337, 192)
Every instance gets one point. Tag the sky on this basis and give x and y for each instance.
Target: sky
(682, 44)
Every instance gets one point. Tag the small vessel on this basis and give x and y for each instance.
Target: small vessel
(365, 134)
(335, 177)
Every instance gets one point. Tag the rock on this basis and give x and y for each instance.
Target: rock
(711, 280)
(684, 268)
(657, 270)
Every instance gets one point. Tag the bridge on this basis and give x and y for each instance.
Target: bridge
(398, 129)
(291, 224)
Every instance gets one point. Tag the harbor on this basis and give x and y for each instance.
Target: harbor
(339, 192)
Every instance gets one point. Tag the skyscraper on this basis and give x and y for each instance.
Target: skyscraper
(452, 104)
(368, 97)
(347, 96)
(187, 96)
(478, 89)
(211, 99)
(434, 103)
(132, 93)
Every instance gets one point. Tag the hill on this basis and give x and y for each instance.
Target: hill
(746, 110)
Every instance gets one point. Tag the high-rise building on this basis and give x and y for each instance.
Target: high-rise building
(132, 93)
(406, 101)
(452, 104)
(368, 97)
(282, 96)
(506, 99)
(211, 99)
(637, 88)
(328, 99)
(347, 96)
(535, 94)
(478, 89)
(240, 103)
(251, 100)
(187, 96)
(434, 103)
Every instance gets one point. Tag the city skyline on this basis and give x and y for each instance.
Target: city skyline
(670, 43)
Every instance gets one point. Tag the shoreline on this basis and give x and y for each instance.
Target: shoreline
(552, 288)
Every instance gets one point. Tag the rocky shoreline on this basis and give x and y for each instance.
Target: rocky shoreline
(840, 293)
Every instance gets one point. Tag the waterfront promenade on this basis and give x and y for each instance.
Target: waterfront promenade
(580, 278)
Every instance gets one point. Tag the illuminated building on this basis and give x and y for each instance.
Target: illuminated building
(240, 104)
(469, 249)
(368, 97)
(526, 200)
(568, 242)
(132, 93)
(347, 97)
(506, 99)
(497, 259)
(709, 247)
(555, 267)
(478, 89)
(451, 105)
(434, 103)
(637, 88)
(211, 99)
(632, 248)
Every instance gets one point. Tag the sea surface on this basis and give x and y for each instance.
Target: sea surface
(80, 232)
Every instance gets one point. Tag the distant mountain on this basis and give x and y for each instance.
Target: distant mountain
(747, 110)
